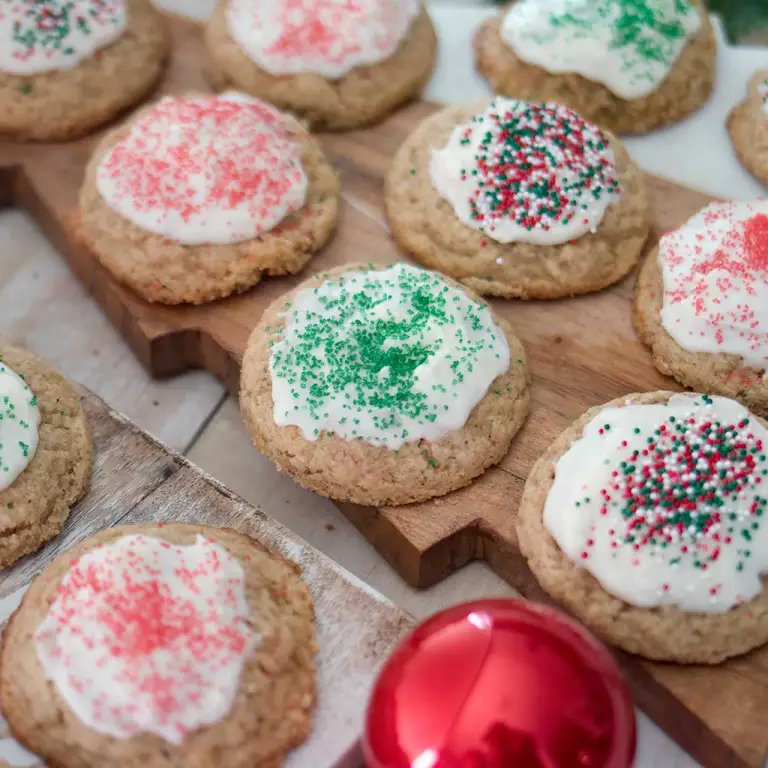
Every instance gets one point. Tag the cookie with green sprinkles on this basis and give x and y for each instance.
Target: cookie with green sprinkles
(69, 66)
(45, 452)
(646, 519)
(383, 385)
(748, 127)
(518, 200)
(629, 65)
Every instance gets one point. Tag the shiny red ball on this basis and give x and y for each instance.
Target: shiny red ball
(500, 684)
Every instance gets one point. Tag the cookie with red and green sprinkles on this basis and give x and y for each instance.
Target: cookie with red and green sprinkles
(748, 127)
(630, 65)
(45, 452)
(383, 385)
(69, 66)
(647, 519)
(517, 199)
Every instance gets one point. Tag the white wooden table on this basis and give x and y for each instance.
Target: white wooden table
(43, 307)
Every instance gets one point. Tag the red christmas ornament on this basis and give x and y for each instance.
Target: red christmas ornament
(500, 684)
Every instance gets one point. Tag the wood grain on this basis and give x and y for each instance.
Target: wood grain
(137, 480)
(582, 352)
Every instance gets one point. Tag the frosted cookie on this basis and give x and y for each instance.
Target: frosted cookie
(68, 66)
(166, 646)
(701, 302)
(199, 197)
(628, 65)
(518, 200)
(337, 64)
(383, 385)
(645, 518)
(45, 452)
(748, 127)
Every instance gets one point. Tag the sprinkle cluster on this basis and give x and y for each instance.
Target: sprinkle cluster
(387, 356)
(148, 636)
(325, 36)
(697, 484)
(644, 30)
(715, 272)
(539, 165)
(214, 169)
(19, 419)
(50, 25)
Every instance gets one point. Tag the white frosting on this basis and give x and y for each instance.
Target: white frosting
(493, 168)
(725, 534)
(627, 45)
(19, 422)
(213, 169)
(325, 37)
(39, 36)
(715, 276)
(146, 636)
(389, 356)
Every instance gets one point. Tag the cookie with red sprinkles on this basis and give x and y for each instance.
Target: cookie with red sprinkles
(69, 66)
(646, 519)
(338, 64)
(165, 646)
(700, 302)
(748, 127)
(518, 199)
(201, 196)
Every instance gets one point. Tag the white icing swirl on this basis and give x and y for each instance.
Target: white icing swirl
(208, 170)
(325, 37)
(39, 36)
(664, 503)
(146, 636)
(387, 356)
(19, 422)
(627, 45)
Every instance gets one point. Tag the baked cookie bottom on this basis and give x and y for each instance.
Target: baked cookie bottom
(34, 507)
(686, 88)
(748, 129)
(718, 374)
(161, 270)
(663, 633)
(362, 97)
(272, 710)
(425, 225)
(66, 104)
(358, 472)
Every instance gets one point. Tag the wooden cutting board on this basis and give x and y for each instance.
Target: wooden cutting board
(582, 352)
(138, 480)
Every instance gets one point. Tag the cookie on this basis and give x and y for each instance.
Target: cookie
(518, 200)
(337, 65)
(164, 646)
(748, 127)
(248, 193)
(645, 519)
(383, 385)
(45, 452)
(701, 302)
(68, 67)
(629, 65)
